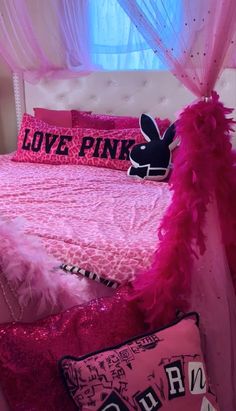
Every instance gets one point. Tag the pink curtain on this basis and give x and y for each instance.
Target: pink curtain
(194, 49)
(196, 53)
(204, 178)
(45, 38)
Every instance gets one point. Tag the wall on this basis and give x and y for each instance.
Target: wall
(8, 131)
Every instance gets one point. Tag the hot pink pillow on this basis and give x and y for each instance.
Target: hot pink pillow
(29, 353)
(104, 121)
(60, 118)
(161, 370)
(39, 142)
(86, 120)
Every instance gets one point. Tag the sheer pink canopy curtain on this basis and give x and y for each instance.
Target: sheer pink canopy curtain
(45, 38)
(196, 51)
(196, 48)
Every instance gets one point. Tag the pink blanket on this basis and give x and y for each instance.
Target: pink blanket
(96, 218)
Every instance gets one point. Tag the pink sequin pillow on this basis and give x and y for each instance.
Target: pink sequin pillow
(39, 142)
(104, 121)
(29, 353)
(161, 370)
(98, 121)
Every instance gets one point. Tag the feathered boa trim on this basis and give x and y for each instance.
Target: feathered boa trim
(33, 274)
(204, 164)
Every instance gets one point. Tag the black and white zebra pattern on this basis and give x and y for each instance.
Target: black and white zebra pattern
(73, 269)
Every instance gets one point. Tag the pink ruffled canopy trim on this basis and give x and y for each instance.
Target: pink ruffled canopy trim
(204, 165)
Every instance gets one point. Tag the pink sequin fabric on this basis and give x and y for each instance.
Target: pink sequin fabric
(98, 121)
(29, 353)
(95, 218)
(108, 122)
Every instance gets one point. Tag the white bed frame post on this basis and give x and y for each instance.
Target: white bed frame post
(19, 93)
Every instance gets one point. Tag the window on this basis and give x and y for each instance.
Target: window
(116, 44)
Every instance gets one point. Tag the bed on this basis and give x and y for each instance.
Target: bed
(104, 222)
(64, 198)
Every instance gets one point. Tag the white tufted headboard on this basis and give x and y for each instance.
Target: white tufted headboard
(116, 92)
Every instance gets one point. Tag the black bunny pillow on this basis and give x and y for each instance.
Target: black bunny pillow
(152, 160)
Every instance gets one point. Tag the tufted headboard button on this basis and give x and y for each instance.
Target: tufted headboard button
(93, 97)
(163, 100)
(111, 83)
(126, 98)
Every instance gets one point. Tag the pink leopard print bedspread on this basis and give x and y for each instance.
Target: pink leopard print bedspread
(96, 218)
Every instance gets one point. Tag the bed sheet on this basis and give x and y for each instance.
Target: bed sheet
(96, 218)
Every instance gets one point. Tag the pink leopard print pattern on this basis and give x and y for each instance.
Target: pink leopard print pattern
(39, 142)
(95, 218)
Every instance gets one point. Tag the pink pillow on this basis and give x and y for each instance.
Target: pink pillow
(29, 353)
(86, 120)
(60, 118)
(104, 121)
(161, 370)
(38, 142)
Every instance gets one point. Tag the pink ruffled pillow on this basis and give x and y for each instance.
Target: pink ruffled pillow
(104, 121)
(29, 353)
(39, 142)
(161, 370)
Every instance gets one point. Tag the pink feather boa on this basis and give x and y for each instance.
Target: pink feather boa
(204, 164)
(34, 275)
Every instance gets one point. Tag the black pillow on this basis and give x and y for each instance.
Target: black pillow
(152, 160)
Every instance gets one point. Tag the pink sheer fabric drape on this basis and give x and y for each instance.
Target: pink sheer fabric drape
(45, 38)
(204, 45)
(214, 299)
(195, 53)
(52, 37)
